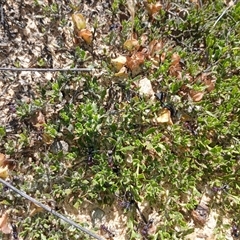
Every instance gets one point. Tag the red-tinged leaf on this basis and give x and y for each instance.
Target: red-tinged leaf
(196, 96)
(86, 35)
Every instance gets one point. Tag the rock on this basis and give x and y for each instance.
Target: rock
(58, 146)
(97, 215)
(145, 88)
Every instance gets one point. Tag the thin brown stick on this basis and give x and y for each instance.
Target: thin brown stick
(45, 69)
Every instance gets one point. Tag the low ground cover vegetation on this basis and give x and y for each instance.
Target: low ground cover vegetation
(142, 144)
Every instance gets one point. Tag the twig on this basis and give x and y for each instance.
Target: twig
(1, 14)
(226, 9)
(45, 69)
(141, 214)
(50, 210)
(200, 3)
(3, 44)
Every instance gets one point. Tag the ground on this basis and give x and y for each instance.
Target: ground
(154, 114)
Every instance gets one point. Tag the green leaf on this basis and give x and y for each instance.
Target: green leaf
(127, 148)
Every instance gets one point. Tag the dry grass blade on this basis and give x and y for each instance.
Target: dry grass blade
(131, 7)
(223, 13)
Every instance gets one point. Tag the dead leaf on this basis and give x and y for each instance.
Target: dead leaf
(210, 84)
(47, 138)
(143, 39)
(196, 2)
(154, 52)
(119, 62)
(163, 57)
(200, 214)
(5, 226)
(86, 35)
(5, 162)
(185, 116)
(155, 62)
(184, 91)
(35, 209)
(131, 44)
(196, 95)
(131, 7)
(165, 117)
(175, 69)
(79, 21)
(2, 159)
(155, 46)
(153, 8)
(175, 59)
(40, 118)
(209, 81)
(152, 230)
(135, 60)
(4, 172)
(122, 73)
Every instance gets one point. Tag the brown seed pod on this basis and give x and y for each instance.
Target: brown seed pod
(200, 214)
